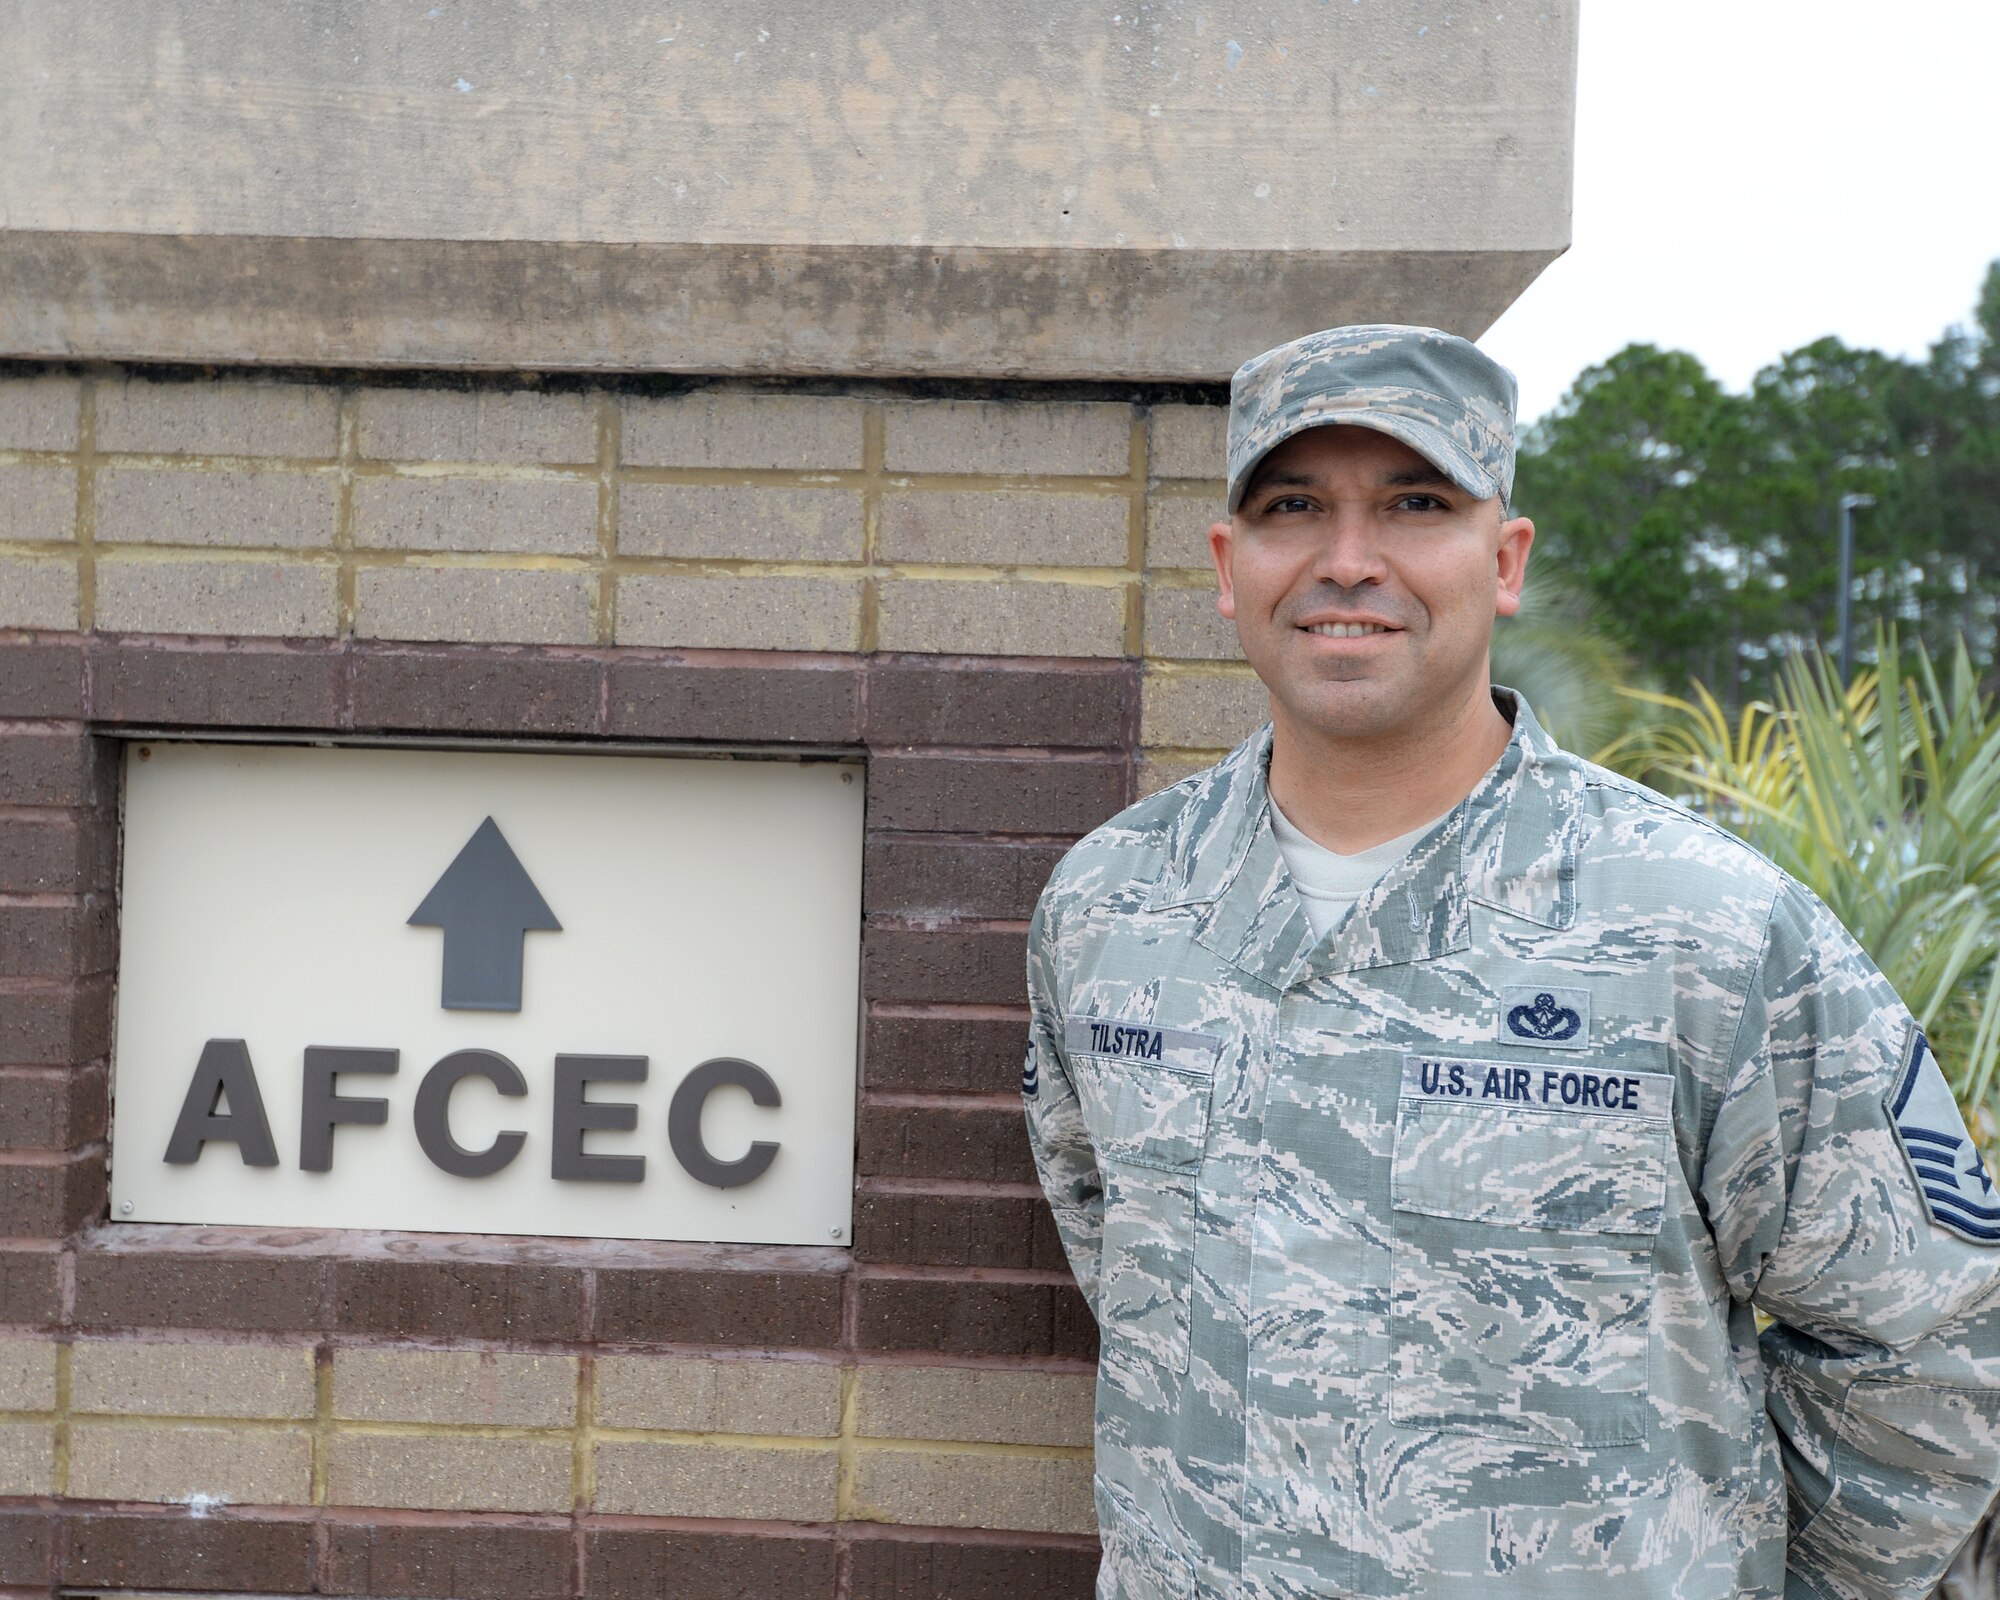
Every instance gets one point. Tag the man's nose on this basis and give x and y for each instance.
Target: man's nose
(1350, 553)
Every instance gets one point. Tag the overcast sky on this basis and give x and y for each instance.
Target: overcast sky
(1752, 175)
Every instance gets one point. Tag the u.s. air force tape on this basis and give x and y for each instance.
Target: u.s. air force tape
(1174, 1048)
(1506, 1085)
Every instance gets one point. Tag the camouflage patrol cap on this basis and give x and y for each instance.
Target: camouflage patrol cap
(1441, 395)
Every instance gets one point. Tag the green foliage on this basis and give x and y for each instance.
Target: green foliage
(1568, 669)
(1884, 799)
(1702, 526)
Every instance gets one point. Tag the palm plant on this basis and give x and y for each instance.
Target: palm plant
(1882, 797)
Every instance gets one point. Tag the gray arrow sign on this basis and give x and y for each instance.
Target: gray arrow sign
(486, 903)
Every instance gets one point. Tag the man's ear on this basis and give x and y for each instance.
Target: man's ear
(1221, 542)
(1517, 534)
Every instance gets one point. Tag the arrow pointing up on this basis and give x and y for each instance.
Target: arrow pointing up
(486, 903)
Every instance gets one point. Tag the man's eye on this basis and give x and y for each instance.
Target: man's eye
(1288, 503)
(1420, 502)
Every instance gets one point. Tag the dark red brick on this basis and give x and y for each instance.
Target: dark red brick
(973, 966)
(947, 1052)
(197, 1289)
(57, 941)
(474, 691)
(952, 1230)
(27, 1546)
(980, 1142)
(51, 1109)
(635, 1564)
(47, 767)
(803, 704)
(41, 678)
(946, 877)
(974, 1317)
(49, 855)
(467, 1299)
(470, 1561)
(792, 1310)
(55, 1025)
(926, 701)
(993, 794)
(50, 1200)
(902, 1568)
(225, 1553)
(30, 1290)
(205, 686)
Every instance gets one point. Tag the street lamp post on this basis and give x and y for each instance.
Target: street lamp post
(1848, 504)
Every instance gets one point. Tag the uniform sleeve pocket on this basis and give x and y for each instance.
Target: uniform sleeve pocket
(1521, 1274)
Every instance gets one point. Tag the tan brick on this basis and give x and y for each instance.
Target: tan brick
(1189, 442)
(740, 613)
(178, 1462)
(522, 516)
(474, 604)
(976, 1405)
(731, 428)
(27, 1458)
(27, 1375)
(38, 592)
(1002, 618)
(1157, 772)
(1062, 437)
(217, 419)
(1198, 711)
(678, 1396)
(192, 1380)
(489, 425)
(1183, 625)
(1177, 531)
(445, 1472)
(969, 1489)
(287, 510)
(716, 1480)
(1044, 530)
(37, 502)
(38, 413)
(676, 519)
(479, 1386)
(281, 599)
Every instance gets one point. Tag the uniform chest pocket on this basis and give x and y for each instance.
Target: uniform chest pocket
(1521, 1276)
(1147, 1110)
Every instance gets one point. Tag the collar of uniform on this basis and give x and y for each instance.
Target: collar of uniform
(1515, 838)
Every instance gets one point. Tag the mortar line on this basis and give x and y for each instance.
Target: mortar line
(59, 1467)
(847, 1491)
(86, 504)
(1135, 553)
(872, 456)
(610, 436)
(322, 1423)
(583, 1463)
(346, 427)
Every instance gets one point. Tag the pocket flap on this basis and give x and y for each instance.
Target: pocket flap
(1518, 1157)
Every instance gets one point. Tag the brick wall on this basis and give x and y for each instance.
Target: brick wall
(999, 602)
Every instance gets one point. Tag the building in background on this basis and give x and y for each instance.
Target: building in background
(393, 396)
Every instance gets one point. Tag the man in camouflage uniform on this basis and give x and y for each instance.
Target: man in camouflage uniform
(1427, 1250)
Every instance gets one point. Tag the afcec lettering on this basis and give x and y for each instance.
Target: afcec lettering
(224, 1105)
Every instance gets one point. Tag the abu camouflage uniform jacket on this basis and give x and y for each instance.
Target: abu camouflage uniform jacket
(1427, 1255)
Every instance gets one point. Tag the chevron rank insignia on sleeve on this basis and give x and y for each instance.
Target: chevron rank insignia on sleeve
(1957, 1189)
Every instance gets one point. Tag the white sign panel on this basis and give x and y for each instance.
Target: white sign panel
(588, 996)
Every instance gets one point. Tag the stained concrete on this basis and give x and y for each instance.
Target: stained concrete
(1022, 189)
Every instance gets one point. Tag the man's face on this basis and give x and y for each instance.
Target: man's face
(1364, 582)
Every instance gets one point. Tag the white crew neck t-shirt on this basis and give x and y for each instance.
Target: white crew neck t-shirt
(1328, 882)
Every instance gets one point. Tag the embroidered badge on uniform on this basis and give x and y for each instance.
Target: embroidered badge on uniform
(1957, 1189)
(1546, 1015)
(1031, 1076)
